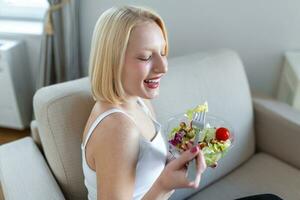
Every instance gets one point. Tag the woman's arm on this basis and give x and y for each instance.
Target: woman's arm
(116, 154)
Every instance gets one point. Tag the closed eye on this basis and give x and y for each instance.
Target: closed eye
(145, 59)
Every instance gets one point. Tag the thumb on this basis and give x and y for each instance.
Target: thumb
(185, 157)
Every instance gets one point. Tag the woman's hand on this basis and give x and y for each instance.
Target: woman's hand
(174, 175)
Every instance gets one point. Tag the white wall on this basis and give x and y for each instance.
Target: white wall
(259, 30)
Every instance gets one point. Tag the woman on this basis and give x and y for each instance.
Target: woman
(124, 154)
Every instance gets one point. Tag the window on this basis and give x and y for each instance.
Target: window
(23, 9)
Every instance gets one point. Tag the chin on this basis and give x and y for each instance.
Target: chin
(148, 95)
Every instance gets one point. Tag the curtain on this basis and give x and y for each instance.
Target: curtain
(59, 59)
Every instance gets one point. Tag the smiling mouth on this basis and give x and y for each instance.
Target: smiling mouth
(152, 83)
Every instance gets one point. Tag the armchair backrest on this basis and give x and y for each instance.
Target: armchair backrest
(61, 112)
(218, 77)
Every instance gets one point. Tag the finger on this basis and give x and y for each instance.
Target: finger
(196, 182)
(181, 178)
(189, 145)
(200, 161)
(185, 157)
(185, 181)
(201, 166)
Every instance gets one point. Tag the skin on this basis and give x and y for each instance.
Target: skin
(145, 58)
(112, 151)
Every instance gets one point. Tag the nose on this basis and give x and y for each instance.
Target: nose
(161, 65)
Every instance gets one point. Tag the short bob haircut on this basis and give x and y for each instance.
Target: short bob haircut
(108, 47)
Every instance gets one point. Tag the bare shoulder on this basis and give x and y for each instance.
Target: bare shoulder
(114, 120)
(115, 131)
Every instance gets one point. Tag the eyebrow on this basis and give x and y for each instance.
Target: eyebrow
(150, 49)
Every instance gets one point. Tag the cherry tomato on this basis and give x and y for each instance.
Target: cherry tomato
(222, 134)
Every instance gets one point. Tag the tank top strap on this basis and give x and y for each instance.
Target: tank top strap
(144, 107)
(99, 119)
(148, 112)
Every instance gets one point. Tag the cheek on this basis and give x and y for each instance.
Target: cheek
(144, 70)
(140, 71)
(136, 73)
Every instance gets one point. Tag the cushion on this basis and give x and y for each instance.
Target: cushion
(24, 172)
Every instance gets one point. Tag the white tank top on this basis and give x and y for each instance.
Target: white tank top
(151, 159)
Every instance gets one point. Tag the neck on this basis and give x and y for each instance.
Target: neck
(130, 104)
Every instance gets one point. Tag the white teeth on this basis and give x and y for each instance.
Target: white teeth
(152, 81)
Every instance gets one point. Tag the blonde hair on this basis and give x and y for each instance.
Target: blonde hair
(108, 47)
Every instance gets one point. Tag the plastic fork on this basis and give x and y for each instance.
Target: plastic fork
(198, 121)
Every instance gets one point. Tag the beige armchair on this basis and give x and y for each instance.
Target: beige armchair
(264, 159)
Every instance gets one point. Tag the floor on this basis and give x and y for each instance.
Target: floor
(9, 135)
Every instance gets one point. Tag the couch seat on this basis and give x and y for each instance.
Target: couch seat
(261, 174)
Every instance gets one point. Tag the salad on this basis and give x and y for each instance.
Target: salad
(214, 141)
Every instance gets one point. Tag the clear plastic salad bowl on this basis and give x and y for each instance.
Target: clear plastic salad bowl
(216, 138)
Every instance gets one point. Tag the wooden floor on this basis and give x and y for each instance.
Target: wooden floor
(9, 135)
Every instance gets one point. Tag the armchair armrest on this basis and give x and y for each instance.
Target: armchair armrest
(24, 173)
(277, 129)
(35, 134)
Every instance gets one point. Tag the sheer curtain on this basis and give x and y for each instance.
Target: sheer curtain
(59, 59)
